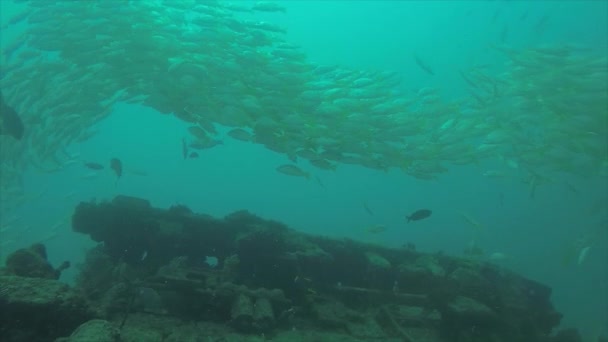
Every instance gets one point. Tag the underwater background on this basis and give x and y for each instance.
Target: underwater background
(555, 234)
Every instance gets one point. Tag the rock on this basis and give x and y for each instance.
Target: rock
(141, 327)
(335, 315)
(367, 330)
(468, 309)
(37, 309)
(32, 262)
(96, 330)
(140, 333)
(263, 315)
(242, 313)
(114, 301)
(567, 335)
(471, 282)
(416, 315)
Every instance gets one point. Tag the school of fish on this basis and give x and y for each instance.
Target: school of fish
(206, 63)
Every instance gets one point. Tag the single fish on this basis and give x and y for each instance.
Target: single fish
(240, 134)
(582, 255)
(205, 144)
(523, 16)
(376, 229)
(367, 208)
(198, 133)
(498, 256)
(504, 34)
(494, 174)
(496, 15)
(116, 165)
(319, 182)
(93, 166)
(468, 79)
(471, 221)
(292, 170)
(424, 66)
(323, 164)
(90, 175)
(419, 215)
(10, 122)
(267, 6)
(140, 173)
(184, 148)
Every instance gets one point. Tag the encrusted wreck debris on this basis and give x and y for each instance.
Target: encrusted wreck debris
(173, 275)
(34, 306)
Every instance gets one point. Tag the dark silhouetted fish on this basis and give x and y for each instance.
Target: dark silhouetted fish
(419, 215)
(366, 207)
(424, 66)
(292, 170)
(496, 15)
(541, 25)
(504, 33)
(184, 148)
(116, 165)
(10, 122)
(319, 182)
(94, 166)
(193, 155)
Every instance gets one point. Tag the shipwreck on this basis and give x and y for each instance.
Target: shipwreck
(175, 275)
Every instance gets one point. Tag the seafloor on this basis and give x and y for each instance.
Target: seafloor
(173, 275)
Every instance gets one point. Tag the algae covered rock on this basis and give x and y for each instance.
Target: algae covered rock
(32, 262)
(469, 309)
(37, 309)
(96, 330)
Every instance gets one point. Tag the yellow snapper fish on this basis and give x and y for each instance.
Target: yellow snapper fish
(292, 170)
(577, 250)
(473, 222)
(582, 255)
(367, 208)
(494, 174)
(498, 257)
(376, 229)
